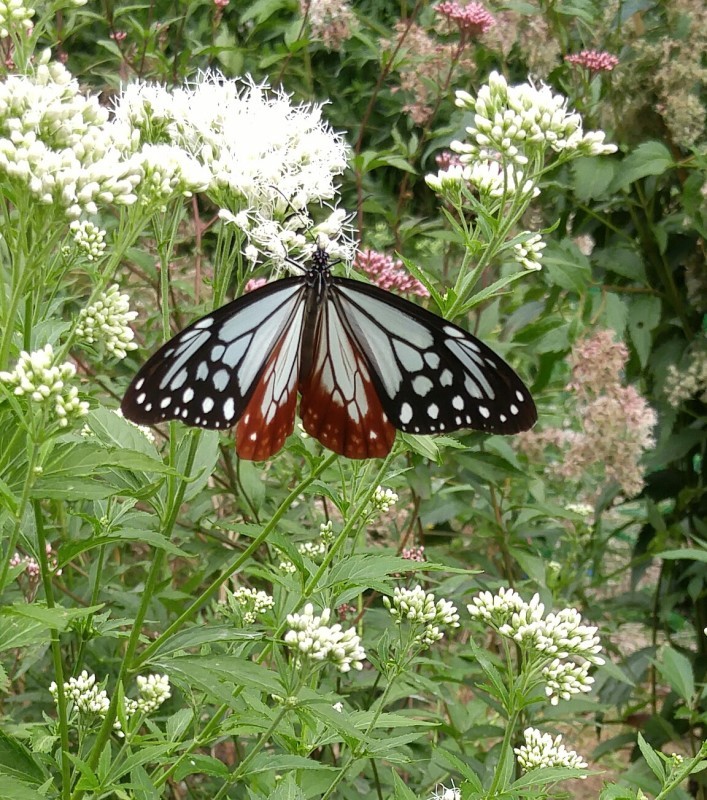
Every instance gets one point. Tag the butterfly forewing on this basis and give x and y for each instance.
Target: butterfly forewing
(206, 374)
(431, 375)
(340, 405)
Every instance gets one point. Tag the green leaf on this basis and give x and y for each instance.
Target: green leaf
(592, 176)
(542, 776)
(195, 764)
(649, 158)
(287, 789)
(690, 553)
(644, 316)
(205, 634)
(566, 266)
(18, 790)
(652, 759)
(17, 760)
(402, 790)
(220, 674)
(622, 260)
(178, 723)
(69, 551)
(616, 312)
(143, 788)
(207, 453)
(58, 618)
(677, 670)
(267, 762)
(18, 632)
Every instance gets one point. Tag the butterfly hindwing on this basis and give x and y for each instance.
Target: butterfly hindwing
(431, 375)
(340, 405)
(207, 373)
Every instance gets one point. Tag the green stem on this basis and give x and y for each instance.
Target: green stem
(129, 662)
(213, 587)
(56, 653)
(264, 739)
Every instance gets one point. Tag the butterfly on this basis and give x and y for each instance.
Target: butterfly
(365, 361)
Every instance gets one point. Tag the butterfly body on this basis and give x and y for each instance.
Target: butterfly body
(365, 362)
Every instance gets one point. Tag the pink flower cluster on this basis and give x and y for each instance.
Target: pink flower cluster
(388, 273)
(414, 553)
(447, 159)
(593, 60)
(472, 19)
(254, 283)
(614, 422)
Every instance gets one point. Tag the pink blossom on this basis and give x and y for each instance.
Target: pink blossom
(221, 3)
(254, 283)
(593, 60)
(388, 273)
(472, 19)
(447, 159)
(414, 553)
(345, 610)
(597, 363)
(119, 36)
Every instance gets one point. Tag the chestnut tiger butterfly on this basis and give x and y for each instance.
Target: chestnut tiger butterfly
(365, 362)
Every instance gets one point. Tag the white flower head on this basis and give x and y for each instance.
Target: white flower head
(520, 122)
(419, 607)
(541, 750)
(88, 698)
(311, 637)
(530, 252)
(251, 602)
(89, 238)
(37, 377)
(153, 690)
(15, 17)
(107, 321)
(384, 499)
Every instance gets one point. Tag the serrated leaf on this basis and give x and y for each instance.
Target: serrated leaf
(652, 759)
(622, 260)
(649, 158)
(18, 632)
(58, 618)
(69, 551)
(267, 762)
(18, 761)
(204, 634)
(592, 177)
(209, 672)
(178, 723)
(401, 789)
(566, 266)
(644, 316)
(18, 790)
(195, 764)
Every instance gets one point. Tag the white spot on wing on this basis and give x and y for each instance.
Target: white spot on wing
(519, 395)
(202, 371)
(433, 410)
(165, 401)
(455, 332)
(422, 385)
(140, 399)
(220, 380)
(514, 409)
(138, 385)
(207, 322)
(207, 404)
(405, 413)
(484, 412)
(432, 359)
(409, 357)
(458, 402)
(188, 395)
(446, 378)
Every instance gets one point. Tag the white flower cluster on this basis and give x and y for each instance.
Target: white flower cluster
(565, 678)
(384, 499)
(15, 16)
(169, 171)
(89, 238)
(420, 607)
(107, 321)
(153, 690)
(87, 697)
(530, 252)
(681, 385)
(36, 376)
(252, 602)
(489, 178)
(560, 637)
(521, 122)
(312, 637)
(59, 143)
(443, 793)
(541, 750)
(326, 532)
(264, 157)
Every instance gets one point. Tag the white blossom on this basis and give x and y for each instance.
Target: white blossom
(168, 172)
(59, 143)
(384, 499)
(87, 697)
(312, 637)
(519, 122)
(420, 607)
(89, 238)
(530, 252)
(251, 602)
(15, 17)
(107, 321)
(38, 378)
(565, 678)
(441, 792)
(541, 750)
(487, 176)
(153, 690)
(683, 384)
(267, 159)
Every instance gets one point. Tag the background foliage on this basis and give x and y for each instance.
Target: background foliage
(147, 537)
